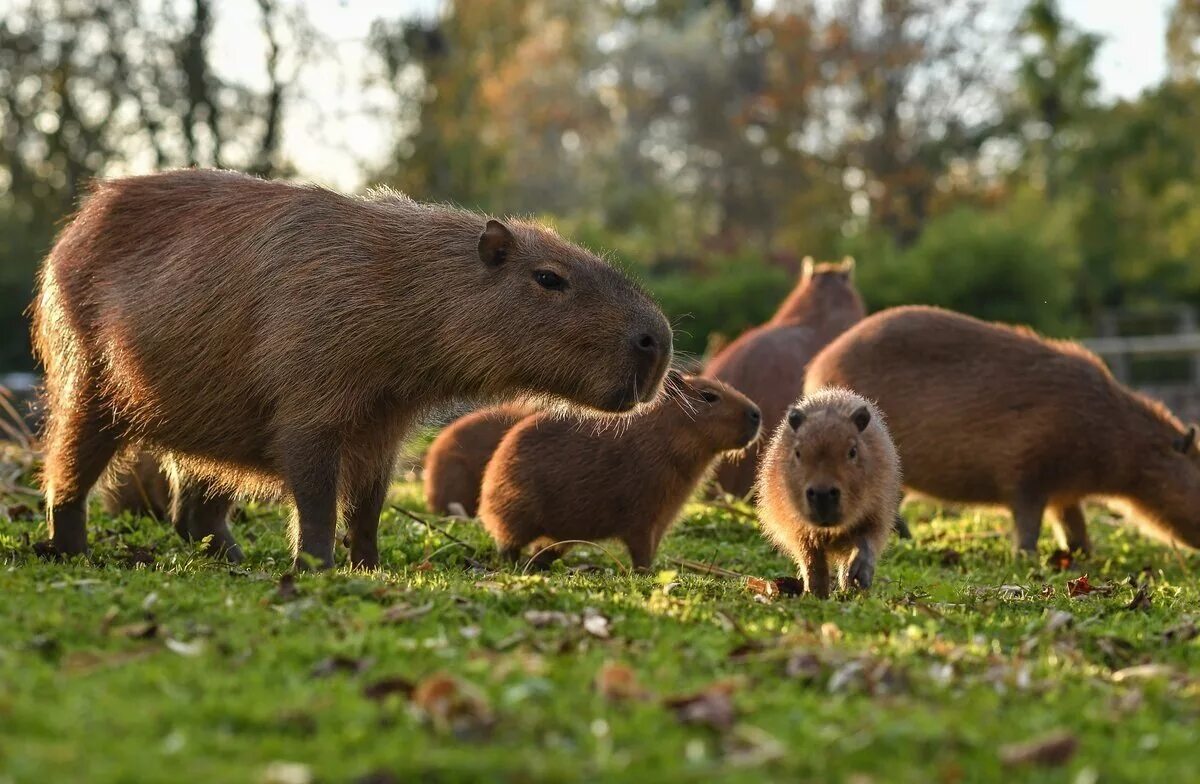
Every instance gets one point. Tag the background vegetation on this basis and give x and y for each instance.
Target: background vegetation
(960, 149)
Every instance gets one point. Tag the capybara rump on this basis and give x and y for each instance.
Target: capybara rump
(456, 459)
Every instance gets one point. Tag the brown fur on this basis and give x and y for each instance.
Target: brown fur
(990, 414)
(457, 458)
(278, 338)
(767, 363)
(555, 479)
(820, 447)
(138, 485)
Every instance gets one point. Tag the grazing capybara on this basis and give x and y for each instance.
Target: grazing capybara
(767, 363)
(458, 456)
(281, 338)
(991, 414)
(138, 485)
(553, 479)
(830, 488)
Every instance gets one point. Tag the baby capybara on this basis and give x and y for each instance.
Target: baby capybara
(830, 488)
(767, 363)
(138, 485)
(274, 337)
(458, 456)
(990, 414)
(553, 479)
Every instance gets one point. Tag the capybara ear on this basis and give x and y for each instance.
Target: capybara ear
(1186, 442)
(848, 266)
(861, 418)
(806, 269)
(795, 418)
(494, 243)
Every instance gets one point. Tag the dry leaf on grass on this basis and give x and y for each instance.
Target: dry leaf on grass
(339, 663)
(1141, 598)
(711, 707)
(1060, 560)
(399, 613)
(1080, 586)
(595, 624)
(386, 687)
(1052, 750)
(280, 772)
(453, 705)
(143, 630)
(1143, 672)
(619, 683)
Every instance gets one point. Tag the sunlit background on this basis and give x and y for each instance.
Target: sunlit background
(1031, 162)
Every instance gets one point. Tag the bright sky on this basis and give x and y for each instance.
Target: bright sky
(333, 141)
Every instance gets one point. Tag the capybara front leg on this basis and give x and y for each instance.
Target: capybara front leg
(79, 445)
(1070, 528)
(642, 546)
(311, 471)
(200, 511)
(1027, 513)
(900, 526)
(814, 568)
(362, 520)
(859, 571)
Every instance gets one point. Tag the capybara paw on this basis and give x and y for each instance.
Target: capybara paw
(861, 572)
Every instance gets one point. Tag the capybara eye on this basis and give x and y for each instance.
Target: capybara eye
(796, 453)
(549, 280)
(853, 453)
(710, 397)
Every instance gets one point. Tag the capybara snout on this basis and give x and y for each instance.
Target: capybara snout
(824, 504)
(732, 421)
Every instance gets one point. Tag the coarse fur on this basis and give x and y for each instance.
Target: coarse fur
(456, 459)
(553, 479)
(986, 413)
(767, 363)
(829, 488)
(274, 338)
(137, 484)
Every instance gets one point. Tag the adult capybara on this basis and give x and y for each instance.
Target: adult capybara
(456, 459)
(138, 485)
(275, 337)
(767, 363)
(991, 414)
(830, 488)
(553, 480)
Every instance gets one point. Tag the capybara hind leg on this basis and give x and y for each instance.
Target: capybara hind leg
(200, 511)
(814, 569)
(1027, 513)
(1070, 528)
(79, 446)
(364, 506)
(311, 472)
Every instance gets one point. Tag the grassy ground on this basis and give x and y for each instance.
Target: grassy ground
(150, 663)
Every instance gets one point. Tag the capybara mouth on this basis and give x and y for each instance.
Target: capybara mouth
(623, 400)
(824, 518)
(752, 434)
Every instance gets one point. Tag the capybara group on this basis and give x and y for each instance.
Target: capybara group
(829, 488)
(457, 458)
(554, 479)
(281, 338)
(991, 414)
(767, 363)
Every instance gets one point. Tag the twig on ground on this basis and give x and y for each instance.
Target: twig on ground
(431, 526)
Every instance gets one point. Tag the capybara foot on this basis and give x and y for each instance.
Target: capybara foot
(860, 572)
(901, 526)
(365, 558)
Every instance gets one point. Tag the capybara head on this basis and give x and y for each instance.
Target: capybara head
(1174, 500)
(571, 324)
(829, 461)
(723, 418)
(825, 298)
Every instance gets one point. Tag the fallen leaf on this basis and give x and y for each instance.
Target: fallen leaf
(762, 587)
(1060, 560)
(1011, 591)
(193, 648)
(424, 566)
(453, 705)
(1143, 672)
(1079, 587)
(595, 624)
(1141, 598)
(339, 663)
(1051, 750)
(399, 613)
(280, 772)
(386, 687)
(543, 618)
(711, 707)
(830, 633)
(143, 630)
(619, 683)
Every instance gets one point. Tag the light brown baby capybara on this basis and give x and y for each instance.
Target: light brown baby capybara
(990, 414)
(281, 338)
(767, 363)
(138, 485)
(553, 479)
(829, 488)
(456, 459)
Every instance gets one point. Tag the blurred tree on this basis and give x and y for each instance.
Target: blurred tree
(1183, 40)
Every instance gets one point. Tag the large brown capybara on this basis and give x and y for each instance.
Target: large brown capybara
(281, 338)
(767, 363)
(830, 488)
(990, 414)
(553, 479)
(456, 459)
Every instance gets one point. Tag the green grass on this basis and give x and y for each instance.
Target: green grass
(183, 669)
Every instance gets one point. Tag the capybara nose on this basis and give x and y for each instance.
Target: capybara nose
(652, 353)
(754, 415)
(823, 503)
